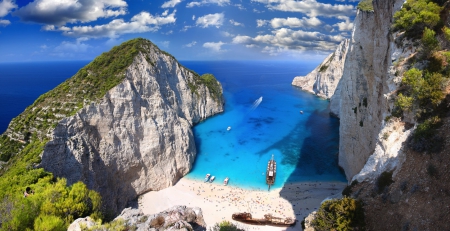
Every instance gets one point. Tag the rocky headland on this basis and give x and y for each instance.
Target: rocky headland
(122, 124)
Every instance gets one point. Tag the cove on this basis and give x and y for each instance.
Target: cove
(267, 116)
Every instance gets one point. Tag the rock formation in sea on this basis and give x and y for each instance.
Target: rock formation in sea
(367, 81)
(122, 124)
(324, 79)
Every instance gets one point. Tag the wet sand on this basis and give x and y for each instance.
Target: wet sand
(219, 202)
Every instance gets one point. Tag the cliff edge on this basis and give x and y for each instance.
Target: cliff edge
(324, 80)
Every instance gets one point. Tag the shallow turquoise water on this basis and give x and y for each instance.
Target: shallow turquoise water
(304, 145)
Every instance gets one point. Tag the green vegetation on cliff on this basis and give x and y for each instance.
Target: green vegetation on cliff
(340, 214)
(423, 85)
(365, 5)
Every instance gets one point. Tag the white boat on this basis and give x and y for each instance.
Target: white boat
(207, 177)
(212, 179)
(228, 128)
(301, 112)
(225, 182)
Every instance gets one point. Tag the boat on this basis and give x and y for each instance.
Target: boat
(212, 179)
(267, 220)
(271, 172)
(228, 128)
(301, 112)
(225, 182)
(207, 177)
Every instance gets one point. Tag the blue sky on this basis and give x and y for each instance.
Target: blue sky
(42, 30)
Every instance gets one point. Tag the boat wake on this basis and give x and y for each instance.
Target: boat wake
(257, 103)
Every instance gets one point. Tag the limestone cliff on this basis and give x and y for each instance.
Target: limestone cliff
(366, 85)
(324, 79)
(364, 92)
(137, 137)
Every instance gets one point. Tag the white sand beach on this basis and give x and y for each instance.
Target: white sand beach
(219, 202)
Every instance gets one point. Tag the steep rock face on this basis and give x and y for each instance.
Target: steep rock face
(324, 79)
(366, 85)
(137, 137)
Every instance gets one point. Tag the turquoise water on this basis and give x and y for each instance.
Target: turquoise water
(304, 145)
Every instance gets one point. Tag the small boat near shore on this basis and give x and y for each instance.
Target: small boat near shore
(271, 172)
(207, 177)
(267, 220)
(228, 128)
(225, 182)
(212, 179)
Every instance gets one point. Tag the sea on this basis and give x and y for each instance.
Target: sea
(265, 117)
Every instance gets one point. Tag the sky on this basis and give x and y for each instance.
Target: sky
(50, 30)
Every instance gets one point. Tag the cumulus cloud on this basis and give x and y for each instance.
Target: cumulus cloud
(236, 23)
(56, 12)
(216, 47)
(295, 22)
(142, 22)
(312, 8)
(190, 44)
(4, 22)
(210, 20)
(261, 22)
(345, 25)
(288, 39)
(6, 6)
(170, 3)
(208, 2)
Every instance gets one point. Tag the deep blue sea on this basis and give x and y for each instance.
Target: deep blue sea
(262, 109)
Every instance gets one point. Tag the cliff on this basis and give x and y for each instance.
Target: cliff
(324, 79)
(363, 81)
(122, 124)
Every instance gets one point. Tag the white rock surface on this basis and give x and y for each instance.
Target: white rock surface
(388, 154)
(138, 137)
(365, 84)
(325, 83)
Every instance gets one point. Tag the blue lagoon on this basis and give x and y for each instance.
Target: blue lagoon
(264, 116)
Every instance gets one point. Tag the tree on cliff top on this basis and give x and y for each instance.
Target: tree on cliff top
(415, 15)
(340, 215)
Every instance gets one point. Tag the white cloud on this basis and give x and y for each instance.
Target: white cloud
(240, 6)
(142, 22)
(210, 20)
(227, 34)
(170, 3)
(6, 6)
(165, 44)
(57, 12)
(43, 47)
(312, 8)
(193, 17)
(236, 23)
(70, 47)
(185, 28)
(4, 22)
(207, 2)
(288, 39)
(295, 22)
(260, 22)
(190, 44)
(345, 25)
(217, 47)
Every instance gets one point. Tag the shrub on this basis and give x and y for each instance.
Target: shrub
(339, 214)
(225, 226)
(383, 181)
(404, 103)
(415, 15)
(446, 32)
(365, 5)
(49, 223)
(429, 41)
